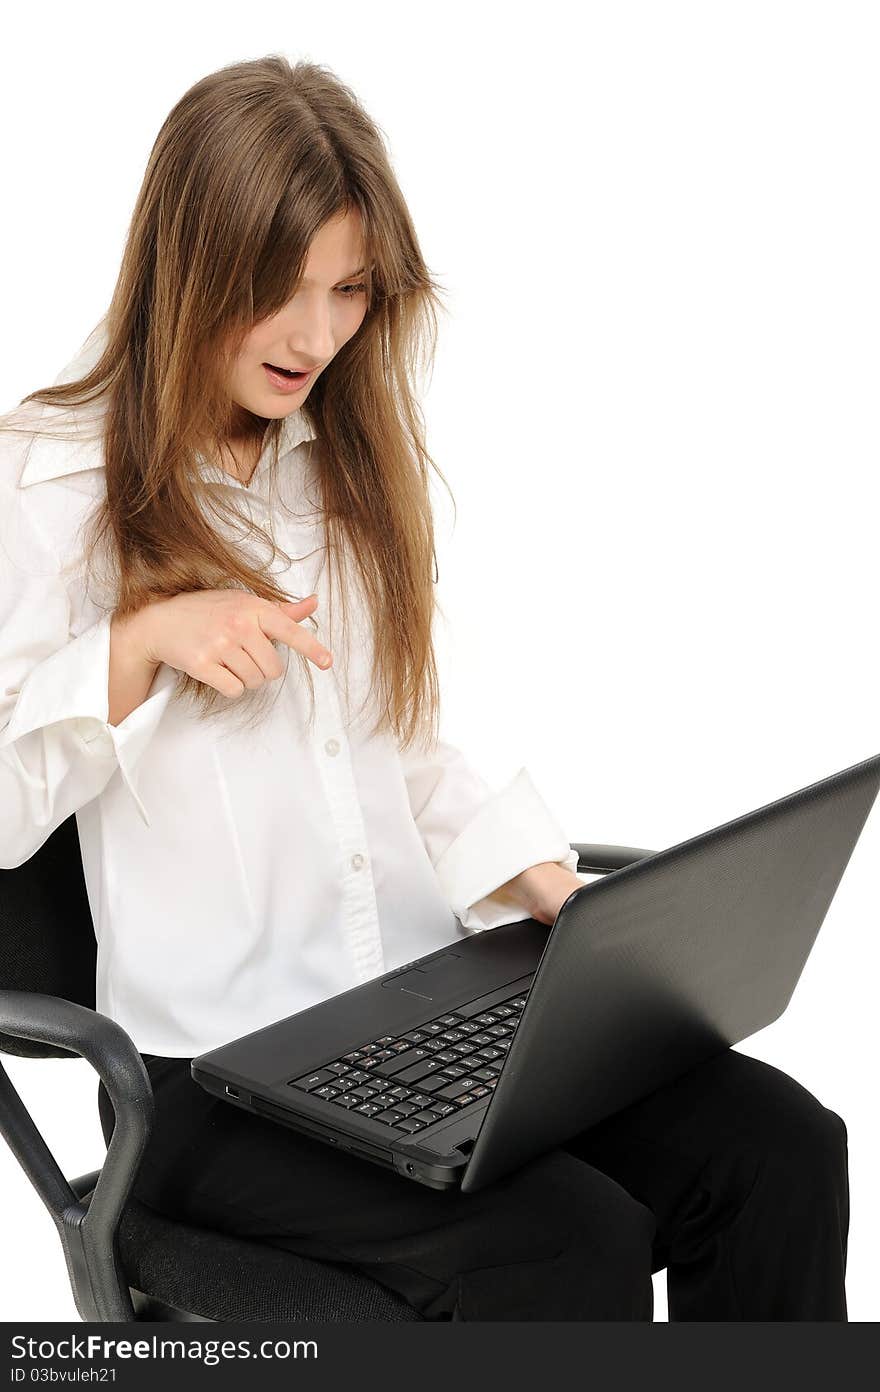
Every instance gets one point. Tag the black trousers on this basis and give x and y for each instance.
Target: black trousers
(734, 1178)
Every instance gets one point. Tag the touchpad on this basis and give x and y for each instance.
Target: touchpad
(431, 979)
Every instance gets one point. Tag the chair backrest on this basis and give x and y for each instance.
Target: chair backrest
(47, 938)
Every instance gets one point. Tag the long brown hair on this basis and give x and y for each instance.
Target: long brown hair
(247, 167)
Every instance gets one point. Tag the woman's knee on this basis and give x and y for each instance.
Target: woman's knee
(788, 1125)
(824, 1141)
(800, 1126)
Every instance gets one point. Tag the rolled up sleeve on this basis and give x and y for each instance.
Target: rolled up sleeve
(58, 750)
(478, 839)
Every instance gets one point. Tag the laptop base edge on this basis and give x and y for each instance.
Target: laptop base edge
(408, 1159)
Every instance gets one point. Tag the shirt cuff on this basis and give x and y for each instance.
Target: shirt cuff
(72, 684)
(513, 830)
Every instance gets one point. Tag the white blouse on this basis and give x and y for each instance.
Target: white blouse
(234, 875)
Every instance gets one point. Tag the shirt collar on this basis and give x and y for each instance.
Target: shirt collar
(295, 430)
(51, 457)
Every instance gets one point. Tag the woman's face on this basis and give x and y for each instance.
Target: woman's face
(326, 311)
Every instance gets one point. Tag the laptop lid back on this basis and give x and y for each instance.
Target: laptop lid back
(667, 961)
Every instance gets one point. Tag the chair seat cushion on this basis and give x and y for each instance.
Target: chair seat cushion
(230, 1278)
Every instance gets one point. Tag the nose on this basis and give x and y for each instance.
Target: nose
(311, 335)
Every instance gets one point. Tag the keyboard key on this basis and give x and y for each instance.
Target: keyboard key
(347, 1099)
(480, 1092)
(369, 1048)
(400, 1047)
(433, 1082)
(338, 1067)
(441, 1109)
(310, 1081)
(467, 1027)
(420, 1071)
(426, 1117)
(364, 1092)
(502, 1010)
(491, 1054)
(454, 1036)
(453, 1070)
(368, 1109)
(389, 1067)
(418, 1100)
(433, 1028)
(405, 1108)
(484, 1073)
(353, 1057)
(390, 1117)
(400, 1094)
(463, 1048)
(485, 1019)
(385, 1054)
(519, 1003)
(328, 1092)
(500, 1031)
(447, 1056)
(453, 1090)
(410, 1124)
(386, 1041)
(448, 1019)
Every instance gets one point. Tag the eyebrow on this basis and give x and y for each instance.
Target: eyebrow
(360, 271)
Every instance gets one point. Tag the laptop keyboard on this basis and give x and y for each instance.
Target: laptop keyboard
(410, 1081)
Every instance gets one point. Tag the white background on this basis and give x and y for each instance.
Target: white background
(655, 398)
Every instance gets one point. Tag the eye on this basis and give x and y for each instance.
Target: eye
(349, 291)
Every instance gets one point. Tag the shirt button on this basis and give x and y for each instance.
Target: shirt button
(332, 746)
(357, 861)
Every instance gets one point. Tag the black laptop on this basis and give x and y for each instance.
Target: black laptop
(465, 1064)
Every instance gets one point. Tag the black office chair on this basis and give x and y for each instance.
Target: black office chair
(126, 1261)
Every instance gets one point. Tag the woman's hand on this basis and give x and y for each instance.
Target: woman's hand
(223, 637)
(543, 889)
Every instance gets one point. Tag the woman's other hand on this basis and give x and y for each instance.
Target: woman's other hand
(543, 889)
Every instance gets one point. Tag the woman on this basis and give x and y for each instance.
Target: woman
(257, 837)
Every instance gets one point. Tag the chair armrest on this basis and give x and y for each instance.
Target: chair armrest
(600, 859)
(88, 1231)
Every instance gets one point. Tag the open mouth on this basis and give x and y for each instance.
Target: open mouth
(285, 380)
(286, 372)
